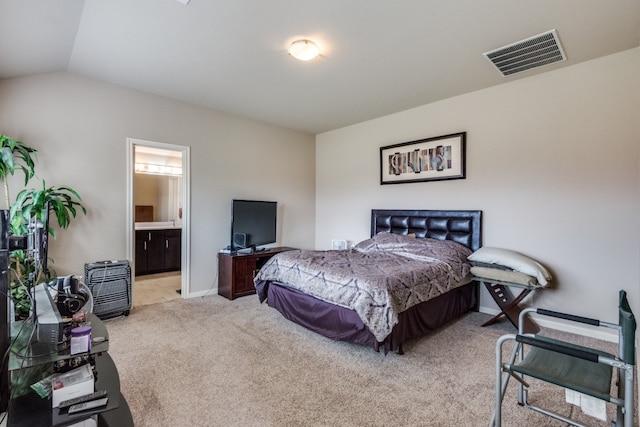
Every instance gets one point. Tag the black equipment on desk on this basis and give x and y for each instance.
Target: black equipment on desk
(71, 296)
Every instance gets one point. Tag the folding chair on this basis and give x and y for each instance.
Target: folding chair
(581, 369)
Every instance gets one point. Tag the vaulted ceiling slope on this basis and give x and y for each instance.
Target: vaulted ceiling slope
(378, 56)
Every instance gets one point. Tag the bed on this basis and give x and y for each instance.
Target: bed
(405, 310)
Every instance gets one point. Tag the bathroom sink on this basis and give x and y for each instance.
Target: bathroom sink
(157, 225)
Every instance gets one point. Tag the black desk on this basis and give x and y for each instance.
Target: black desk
(30, 410)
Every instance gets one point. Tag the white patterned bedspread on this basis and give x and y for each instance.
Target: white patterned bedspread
(379, 278)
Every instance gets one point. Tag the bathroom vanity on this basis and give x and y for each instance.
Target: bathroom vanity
(158, 247)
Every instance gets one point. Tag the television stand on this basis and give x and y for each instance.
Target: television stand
(30, 410)
(236, 271)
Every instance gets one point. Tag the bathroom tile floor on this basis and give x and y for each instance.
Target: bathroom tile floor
(155, 288)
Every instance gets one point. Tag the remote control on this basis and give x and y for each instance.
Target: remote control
(88, 405)
(81, 399)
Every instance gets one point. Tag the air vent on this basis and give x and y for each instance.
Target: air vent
(533, 52)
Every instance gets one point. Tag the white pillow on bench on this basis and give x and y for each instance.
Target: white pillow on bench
(513, 260)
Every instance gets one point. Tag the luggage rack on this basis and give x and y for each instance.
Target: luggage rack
(508, 303)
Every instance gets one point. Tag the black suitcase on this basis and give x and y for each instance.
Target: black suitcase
(110, 284)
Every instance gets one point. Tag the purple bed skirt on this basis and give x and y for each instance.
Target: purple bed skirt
(343, 324)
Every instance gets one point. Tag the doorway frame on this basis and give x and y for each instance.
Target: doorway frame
(185, 257)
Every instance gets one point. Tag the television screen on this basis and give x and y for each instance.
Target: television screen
(253, 223)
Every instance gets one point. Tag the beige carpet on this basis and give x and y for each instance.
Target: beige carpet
(213, 362)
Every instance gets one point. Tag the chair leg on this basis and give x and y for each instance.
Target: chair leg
(523, 395)
(628, 395)
(502, 380)
(621, 392)
(501, 386)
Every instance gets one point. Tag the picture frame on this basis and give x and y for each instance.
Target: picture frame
(429, 159)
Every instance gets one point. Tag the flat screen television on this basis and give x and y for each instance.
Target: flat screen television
(253, 224)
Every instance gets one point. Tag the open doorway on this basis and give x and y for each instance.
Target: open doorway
(158, 220)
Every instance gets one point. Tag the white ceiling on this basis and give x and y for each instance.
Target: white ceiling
(378, 56)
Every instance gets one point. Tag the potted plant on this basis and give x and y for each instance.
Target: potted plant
(59, 202)
(43, 204)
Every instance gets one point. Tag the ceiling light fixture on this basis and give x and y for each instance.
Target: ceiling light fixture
(304, 50)
(158, 169)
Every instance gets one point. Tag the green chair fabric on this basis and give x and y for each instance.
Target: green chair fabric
(566, 371)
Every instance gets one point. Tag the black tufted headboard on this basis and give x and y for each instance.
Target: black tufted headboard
(464, 227)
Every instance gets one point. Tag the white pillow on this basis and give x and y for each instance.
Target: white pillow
(513, 260)
(488, 274)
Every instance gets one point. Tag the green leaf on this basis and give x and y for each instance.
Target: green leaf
(6, 155)
(62, 204)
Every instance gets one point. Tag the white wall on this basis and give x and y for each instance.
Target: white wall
(552, 161)
(80, 126)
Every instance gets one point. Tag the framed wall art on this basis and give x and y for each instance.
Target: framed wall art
(430, 159)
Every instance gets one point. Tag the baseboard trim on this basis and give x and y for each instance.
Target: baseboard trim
(202, 293)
